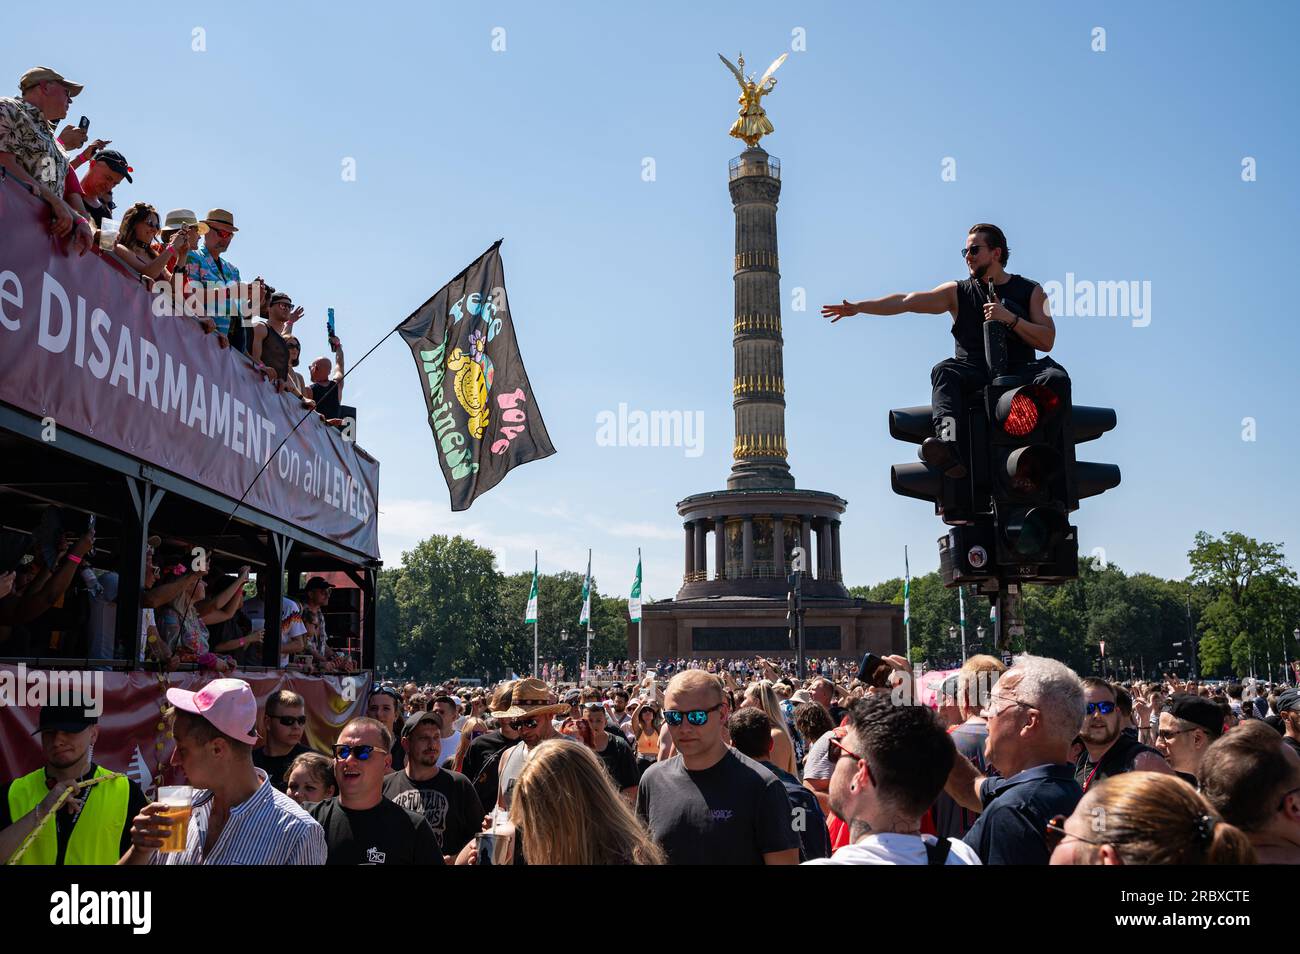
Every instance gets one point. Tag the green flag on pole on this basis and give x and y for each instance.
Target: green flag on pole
(585, 618)
(634, 601)
(530, 615)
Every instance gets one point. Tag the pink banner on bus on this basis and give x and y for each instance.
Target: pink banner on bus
(82, 348)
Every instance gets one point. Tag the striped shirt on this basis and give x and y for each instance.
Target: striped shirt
(267, 829)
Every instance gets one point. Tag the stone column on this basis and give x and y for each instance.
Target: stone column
(806, 537)
(689, 527)
(836, 568)
(702, 549)
(825, 568)
(778, 544)
(747, 546)
(719, 548)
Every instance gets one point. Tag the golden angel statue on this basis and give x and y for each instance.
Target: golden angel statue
(752, 124)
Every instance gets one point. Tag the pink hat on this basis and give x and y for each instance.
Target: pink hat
(229, 704)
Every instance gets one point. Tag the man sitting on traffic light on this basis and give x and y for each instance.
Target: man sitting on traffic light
(989, 294)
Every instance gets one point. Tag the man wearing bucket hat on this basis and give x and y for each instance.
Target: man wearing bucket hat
(530, 712)
(237, 815)
(223, 297)
(93, 828)
(29, 152)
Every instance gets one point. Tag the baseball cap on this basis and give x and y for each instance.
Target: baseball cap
(115, 161)
(1288, 701)
(228, 704)
(421, 718)
(64, 719)
(1196, 710)
(316, 582)
(43, 74)
(572, 696)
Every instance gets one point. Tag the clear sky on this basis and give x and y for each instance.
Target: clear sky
(1122, 165)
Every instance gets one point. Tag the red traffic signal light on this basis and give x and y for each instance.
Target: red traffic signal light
(1022, 411)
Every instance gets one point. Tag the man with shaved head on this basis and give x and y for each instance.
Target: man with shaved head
(709, 804)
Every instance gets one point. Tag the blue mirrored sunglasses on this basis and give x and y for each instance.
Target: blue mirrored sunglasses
(694, 716)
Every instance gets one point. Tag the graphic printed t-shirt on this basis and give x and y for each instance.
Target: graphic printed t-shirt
(384, 835)
(447, 802)
(731, 813)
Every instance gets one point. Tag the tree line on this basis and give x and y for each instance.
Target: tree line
(447, 610)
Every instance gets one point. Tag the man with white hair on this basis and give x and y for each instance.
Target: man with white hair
(1033, 715)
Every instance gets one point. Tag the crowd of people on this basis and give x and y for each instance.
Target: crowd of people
(1024, 765)
(55, 604)
(178, 256)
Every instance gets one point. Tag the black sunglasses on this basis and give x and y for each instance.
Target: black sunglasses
(362, 752)
(523, 724)
(290, 721)
(972, 250)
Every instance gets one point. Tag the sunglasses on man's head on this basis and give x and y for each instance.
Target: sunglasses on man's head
(290, 721)
(362, 752)
(518, 724)
(694, 716)
(1105, 708)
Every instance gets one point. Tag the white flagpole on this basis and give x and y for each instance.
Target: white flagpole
(537, 669)
(640, 645)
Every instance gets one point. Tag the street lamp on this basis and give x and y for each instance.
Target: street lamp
(979, 635)
(952, 636)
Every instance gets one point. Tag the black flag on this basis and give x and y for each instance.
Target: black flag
(481, 407)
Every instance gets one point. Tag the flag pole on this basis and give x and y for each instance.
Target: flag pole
(640, 644)
(907, 604)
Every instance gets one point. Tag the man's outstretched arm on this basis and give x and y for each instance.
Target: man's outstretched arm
(934, 302)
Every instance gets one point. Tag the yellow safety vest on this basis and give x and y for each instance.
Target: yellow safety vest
(97, 835)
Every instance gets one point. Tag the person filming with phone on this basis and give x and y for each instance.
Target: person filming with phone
(989, 294)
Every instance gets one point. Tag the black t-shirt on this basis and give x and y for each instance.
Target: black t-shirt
(482, 764)
(326, 397)
(447, 802)
(1287, 740)
(619, 762)
(276, 765)
(384, 835)
(64, 821)
(731, 813)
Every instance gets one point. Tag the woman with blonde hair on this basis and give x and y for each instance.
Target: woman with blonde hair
(470, 731)
(761, 695)
(1146, 818)
(569, 813)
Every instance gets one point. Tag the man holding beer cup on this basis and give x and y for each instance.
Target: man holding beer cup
(232, 815)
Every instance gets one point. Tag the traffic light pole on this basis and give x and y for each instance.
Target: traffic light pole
(1009, 624)
(796, 622)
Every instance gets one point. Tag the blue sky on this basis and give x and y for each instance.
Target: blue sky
(1122, 165)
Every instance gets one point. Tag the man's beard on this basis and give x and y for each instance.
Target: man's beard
(981, 271)
(1092, 737)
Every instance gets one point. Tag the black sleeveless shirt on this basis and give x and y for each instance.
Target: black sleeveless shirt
(1119, 758)
(275, 352)
(1015, 293)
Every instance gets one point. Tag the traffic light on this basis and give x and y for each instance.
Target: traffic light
(1085, 478)
(952, 497)
(1027, 475)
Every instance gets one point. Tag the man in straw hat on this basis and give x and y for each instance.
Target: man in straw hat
(225, 301)
(29, 152)
(530, 712)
